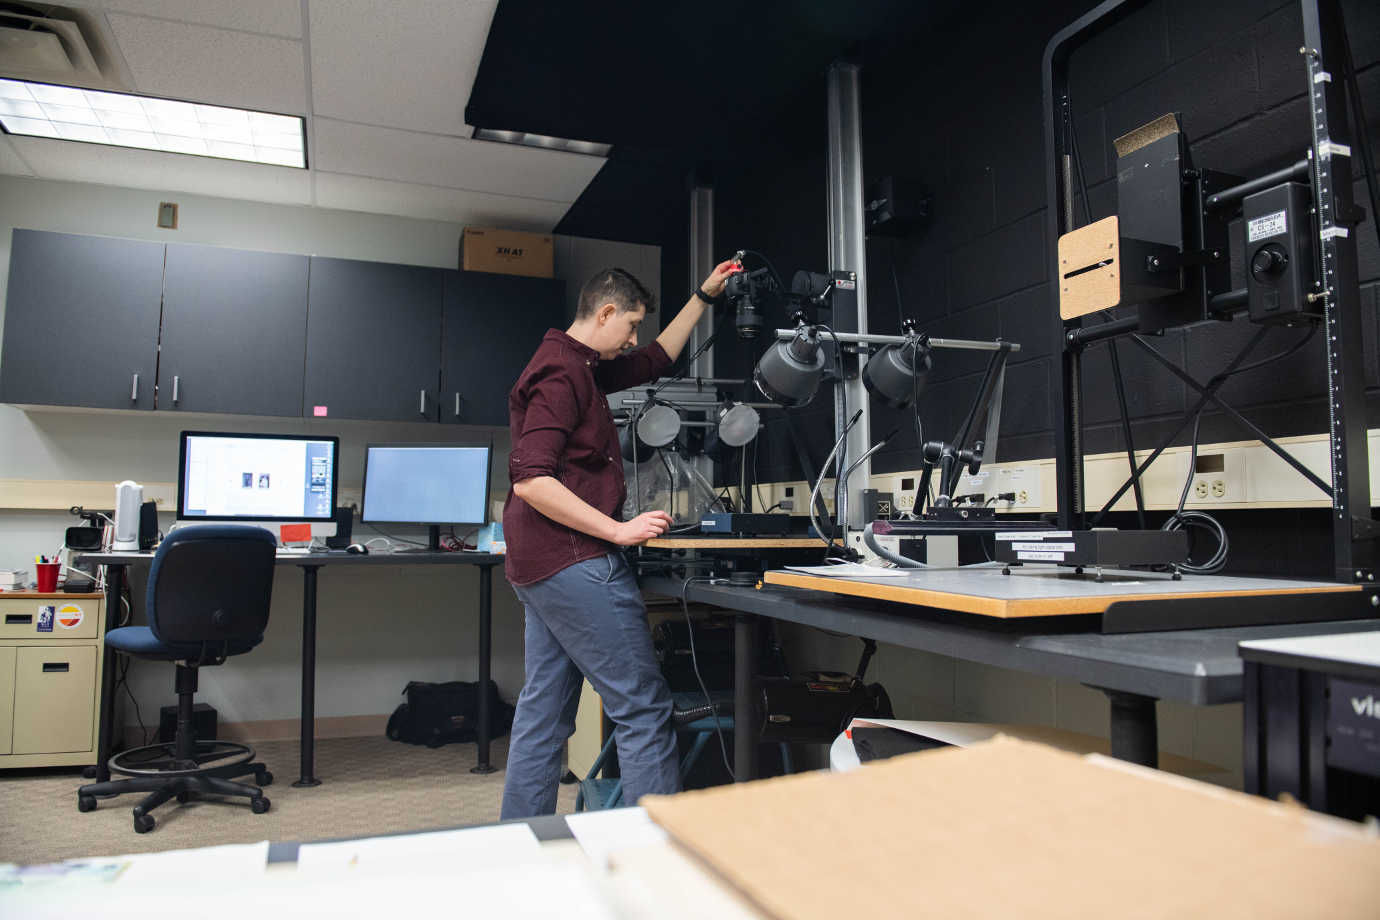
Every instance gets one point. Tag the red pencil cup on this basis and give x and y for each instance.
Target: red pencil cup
(47, 576)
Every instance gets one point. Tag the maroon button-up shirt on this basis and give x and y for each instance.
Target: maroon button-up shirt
(562, 427)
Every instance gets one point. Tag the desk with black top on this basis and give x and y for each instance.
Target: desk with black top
(310, 564)
(1134, 669)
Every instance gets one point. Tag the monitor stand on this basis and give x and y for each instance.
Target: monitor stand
(433, 542)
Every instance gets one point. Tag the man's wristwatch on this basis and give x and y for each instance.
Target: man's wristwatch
(712, 301)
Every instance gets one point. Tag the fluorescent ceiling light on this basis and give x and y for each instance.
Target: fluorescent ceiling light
(541, 140)
(167, 125)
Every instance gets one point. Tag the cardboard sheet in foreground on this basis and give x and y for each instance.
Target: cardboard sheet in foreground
(1015, 829)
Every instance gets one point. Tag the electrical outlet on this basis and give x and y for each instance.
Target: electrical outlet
(1022, 497)
(1200, 488)
(1219, 488)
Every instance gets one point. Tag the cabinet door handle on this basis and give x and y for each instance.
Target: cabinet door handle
(53, 667)
(457, 405)
(177, 389)
(422, 408)
(134, 389)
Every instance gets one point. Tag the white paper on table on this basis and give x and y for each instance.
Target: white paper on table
(226, 863)
(537, 890)
(850, 570)
(603, 832)
(457, 849)
(959, 734)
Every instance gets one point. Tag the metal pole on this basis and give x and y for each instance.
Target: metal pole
(701, 263)
(852, 338)
(308, 752)
(486, 615)
(1352, 526)
(848, 252)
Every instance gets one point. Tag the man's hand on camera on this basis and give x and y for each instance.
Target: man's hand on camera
(642, 528)
(714, 284)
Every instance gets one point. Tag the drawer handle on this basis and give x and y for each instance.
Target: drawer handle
(18, 619)
(177, 389)
(134, 389)
(422, 408)
(457, 405)
(50, 667)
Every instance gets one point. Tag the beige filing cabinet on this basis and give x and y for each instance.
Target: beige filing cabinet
(50, 678)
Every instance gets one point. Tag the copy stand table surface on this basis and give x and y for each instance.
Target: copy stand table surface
(1196, 666)
(309, 563)
(1042, 591)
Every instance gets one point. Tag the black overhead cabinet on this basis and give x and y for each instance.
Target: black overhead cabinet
(493, 324)
(259, 333)
(81, 321)
(373, 341)
(234, 331)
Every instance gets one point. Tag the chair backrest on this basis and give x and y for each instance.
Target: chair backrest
(211, 583)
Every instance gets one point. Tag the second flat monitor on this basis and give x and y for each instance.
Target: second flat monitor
(432, 484)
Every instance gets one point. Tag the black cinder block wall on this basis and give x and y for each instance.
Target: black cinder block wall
(959, 108)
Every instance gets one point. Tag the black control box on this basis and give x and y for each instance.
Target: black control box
(1279, 253)
(755, 524)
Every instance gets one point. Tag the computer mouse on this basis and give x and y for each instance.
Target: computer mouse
(357, 549)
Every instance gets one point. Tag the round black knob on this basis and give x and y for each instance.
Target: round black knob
(1268, 260)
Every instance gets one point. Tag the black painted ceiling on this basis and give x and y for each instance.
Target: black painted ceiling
(675, 86)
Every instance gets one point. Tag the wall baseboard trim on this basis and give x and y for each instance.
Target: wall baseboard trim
(290, 729)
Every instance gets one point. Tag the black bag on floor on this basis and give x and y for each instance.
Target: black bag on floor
(437, 714)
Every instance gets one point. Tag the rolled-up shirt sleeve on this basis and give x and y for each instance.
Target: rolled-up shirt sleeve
(632, 369)
(552, 414)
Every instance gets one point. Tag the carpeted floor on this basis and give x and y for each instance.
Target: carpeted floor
(369, 786)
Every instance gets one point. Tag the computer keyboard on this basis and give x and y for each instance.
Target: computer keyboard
(294, 550)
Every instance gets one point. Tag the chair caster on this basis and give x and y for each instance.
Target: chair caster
(86, 803)
(259, 804)
(89, 772)
(184, 797)
(143, 824)
(263, 778)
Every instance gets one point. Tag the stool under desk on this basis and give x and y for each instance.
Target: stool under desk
(310, 564)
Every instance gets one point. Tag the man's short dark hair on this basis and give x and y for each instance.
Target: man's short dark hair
(616, 286)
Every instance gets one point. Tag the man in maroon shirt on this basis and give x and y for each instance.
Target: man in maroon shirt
(564, 529)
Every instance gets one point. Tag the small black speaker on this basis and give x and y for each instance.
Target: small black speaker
(148, 526)
(344, 524)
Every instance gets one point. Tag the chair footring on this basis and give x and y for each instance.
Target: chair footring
(160, 760)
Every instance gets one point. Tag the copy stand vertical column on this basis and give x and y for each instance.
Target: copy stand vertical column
(486, 619)
(308, 677)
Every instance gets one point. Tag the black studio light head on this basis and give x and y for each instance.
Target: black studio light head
(896, 374)
(789, 372)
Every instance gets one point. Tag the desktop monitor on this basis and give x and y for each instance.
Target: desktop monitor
(259, 478)
(430, 484)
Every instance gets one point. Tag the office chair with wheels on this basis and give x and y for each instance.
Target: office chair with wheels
(693, 716)
(208, 596)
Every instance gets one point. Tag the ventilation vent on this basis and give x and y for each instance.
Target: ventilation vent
(50, 45)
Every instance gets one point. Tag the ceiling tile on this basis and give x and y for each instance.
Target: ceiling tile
(213, 65)
(378, 196)
(270, 17)
(506, 169)
(10, 163)
(104, 165)
(406, 64)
